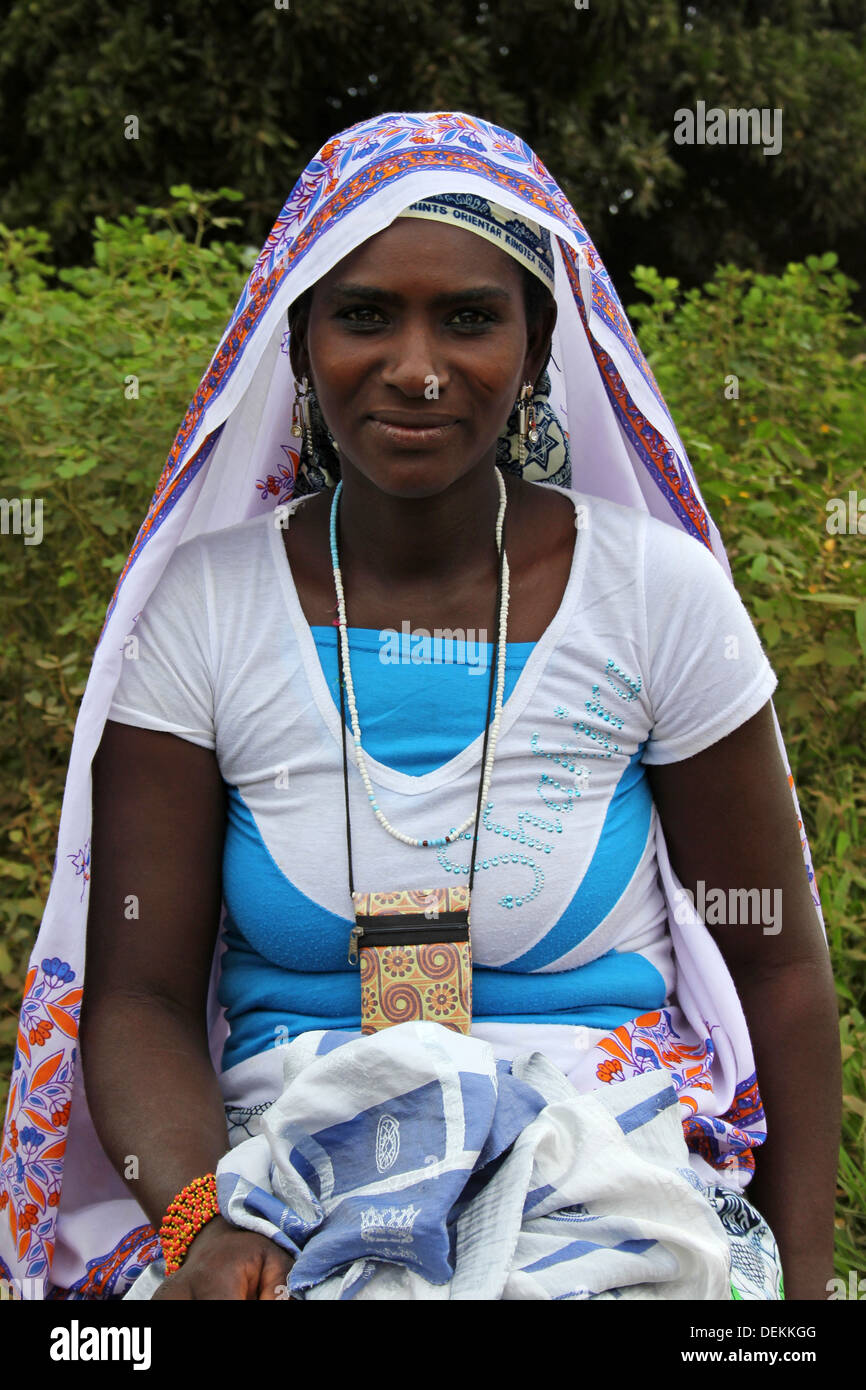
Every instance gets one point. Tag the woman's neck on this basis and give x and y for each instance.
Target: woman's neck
(387, 542)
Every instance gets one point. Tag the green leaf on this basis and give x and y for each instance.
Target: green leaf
(30, 907)
(10, 868)
(836, 600)
(840, 650)
(763, 508)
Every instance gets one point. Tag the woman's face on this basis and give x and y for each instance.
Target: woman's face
(417, 345)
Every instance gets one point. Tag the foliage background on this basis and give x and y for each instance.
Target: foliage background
(243, 94)
(740, 264)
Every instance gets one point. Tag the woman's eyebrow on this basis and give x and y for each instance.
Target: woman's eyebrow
(368, 292)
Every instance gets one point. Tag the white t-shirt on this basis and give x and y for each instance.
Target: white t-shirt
(650, 658)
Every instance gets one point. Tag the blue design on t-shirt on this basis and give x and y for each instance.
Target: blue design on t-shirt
(410, 722)
(620, 848)
(285, 969)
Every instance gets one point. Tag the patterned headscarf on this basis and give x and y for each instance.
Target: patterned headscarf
(67, 1220)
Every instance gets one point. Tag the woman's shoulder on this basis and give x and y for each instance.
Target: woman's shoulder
(611, 534)
(634, 534)
(214, 573)
(239, 537)
(590, 508)
(226, 553)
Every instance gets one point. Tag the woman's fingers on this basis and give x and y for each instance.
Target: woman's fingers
(226, 1264)
(274, 1281)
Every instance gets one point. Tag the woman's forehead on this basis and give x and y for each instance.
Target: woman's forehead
(412, 251)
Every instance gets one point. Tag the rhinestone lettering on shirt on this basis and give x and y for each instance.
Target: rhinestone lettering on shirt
(558, 793)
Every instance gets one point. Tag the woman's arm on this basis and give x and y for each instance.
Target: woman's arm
(729, 821)
(155, 895)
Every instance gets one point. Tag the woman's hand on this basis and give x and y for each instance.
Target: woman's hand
(224, 1262)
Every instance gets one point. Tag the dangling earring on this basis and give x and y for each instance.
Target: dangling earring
(527, 425)
(301, 408)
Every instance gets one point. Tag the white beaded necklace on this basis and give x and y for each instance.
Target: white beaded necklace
(350, 689)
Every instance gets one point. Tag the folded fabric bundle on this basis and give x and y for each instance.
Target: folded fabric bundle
(410, 1164)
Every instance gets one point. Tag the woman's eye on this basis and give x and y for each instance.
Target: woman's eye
(471, 318)
(368, 316)
(361, 313)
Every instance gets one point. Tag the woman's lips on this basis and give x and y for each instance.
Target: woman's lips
(421, 434)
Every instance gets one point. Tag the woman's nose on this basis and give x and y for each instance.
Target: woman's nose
(414, 365)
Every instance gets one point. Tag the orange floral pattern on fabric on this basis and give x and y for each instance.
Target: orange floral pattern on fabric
(650, 1043)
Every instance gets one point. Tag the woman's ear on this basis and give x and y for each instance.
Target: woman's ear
(539, 340)
(298, 354)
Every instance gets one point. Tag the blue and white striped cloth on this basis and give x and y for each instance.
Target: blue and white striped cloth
(410, 1164)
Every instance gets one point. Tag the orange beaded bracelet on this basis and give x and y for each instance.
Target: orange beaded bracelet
(193, 1207)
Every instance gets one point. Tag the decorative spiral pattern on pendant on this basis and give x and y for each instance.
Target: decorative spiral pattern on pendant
(401, 1003)
(439, 961)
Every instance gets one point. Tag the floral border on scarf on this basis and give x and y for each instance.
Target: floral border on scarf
(110, 1275)
(31, 1158)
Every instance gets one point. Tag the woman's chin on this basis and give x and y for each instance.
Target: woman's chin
(412, 473)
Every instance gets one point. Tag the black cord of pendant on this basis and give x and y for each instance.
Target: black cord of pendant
(493, 666)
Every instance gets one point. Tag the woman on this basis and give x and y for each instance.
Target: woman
(432, 270)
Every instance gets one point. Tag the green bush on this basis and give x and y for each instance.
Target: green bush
(78, 433)
(769, 459)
